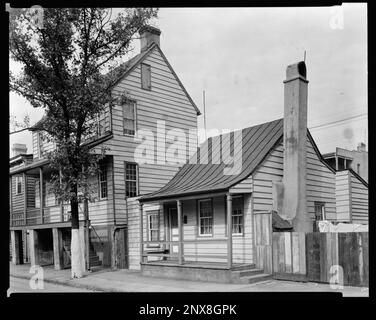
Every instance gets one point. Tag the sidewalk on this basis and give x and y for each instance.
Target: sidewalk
(107, 280)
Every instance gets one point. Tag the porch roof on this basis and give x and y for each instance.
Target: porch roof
(192, 179)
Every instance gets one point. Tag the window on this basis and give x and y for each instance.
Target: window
(130, 179)
(145, 76)
(205, 219)
(18, 185)
(41, 143)
(129, 117)
(103, 182)
(102, 123)
(320, 211)
(237, 215)
(358, 168)
(153, 226)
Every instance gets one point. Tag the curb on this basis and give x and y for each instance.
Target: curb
(71, 284)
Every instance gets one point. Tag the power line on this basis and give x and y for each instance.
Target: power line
(338, 121)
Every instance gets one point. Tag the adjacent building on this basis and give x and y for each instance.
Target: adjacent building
(157, 103)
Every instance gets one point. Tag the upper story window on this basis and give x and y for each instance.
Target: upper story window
(102, 123)
(145, 76)
(129, 117)
(205, 217)
(19, 183)
(103, 182)
(40, 144)
(131, 183)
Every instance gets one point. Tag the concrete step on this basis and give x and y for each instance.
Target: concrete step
(249, 272)
(243, 267)
(255, 278)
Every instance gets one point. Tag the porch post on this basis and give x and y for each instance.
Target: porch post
(25, 195)
(41, 193)
(11, 194)
(58, 248)
(34, 247)
(180, 227)
(141, 234)
(61, 201)
(15, 241)
(229, 230)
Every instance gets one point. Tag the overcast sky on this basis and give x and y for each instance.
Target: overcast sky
(239, 57)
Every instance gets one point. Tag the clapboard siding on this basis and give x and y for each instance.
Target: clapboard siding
(166, 101)
(17, 199)
(343, 203)
(359, 200)
(321, 184)
(271, 169)
(245, 186)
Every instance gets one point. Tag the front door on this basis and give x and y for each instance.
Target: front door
(173, 227)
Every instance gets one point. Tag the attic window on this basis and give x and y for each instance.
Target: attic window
(145, 76)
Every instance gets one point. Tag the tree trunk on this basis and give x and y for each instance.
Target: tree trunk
(77, 250)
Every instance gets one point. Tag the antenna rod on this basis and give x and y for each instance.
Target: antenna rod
(304, 55)
(203, 97)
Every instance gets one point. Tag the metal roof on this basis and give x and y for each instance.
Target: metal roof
(197, 178)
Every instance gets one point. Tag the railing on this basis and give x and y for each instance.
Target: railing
(165, 250)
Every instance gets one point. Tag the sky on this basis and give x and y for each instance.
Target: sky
(239, 57)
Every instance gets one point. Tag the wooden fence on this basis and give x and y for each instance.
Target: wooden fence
(322, 257)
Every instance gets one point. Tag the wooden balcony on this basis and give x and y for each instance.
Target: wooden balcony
(34, 216)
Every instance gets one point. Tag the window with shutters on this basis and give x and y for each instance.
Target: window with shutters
(145, 76)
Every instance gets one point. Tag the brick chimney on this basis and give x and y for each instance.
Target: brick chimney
(361, 147)
(149, 35)
(19, 148)
(295, 148)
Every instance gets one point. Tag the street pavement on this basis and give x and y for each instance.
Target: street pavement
(108, 280)
(18, 285)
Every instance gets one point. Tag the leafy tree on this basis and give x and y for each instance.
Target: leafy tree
(71, 58)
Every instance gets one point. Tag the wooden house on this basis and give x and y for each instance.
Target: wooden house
(209, 224)
(156, 99)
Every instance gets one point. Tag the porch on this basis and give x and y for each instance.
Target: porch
(187, 238)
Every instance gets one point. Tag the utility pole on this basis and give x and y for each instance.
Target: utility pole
(203, 97)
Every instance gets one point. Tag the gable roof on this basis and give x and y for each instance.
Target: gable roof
(257, 141)
(127, 67)
(134, 62)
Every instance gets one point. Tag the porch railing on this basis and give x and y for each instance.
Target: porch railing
(165, 251)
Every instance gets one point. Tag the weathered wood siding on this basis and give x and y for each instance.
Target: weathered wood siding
(245, 186)
(166, 101)
(271, 169)
(320, 182)
(38, 143)
(343, 201)
(359, 200)
(321, 185)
